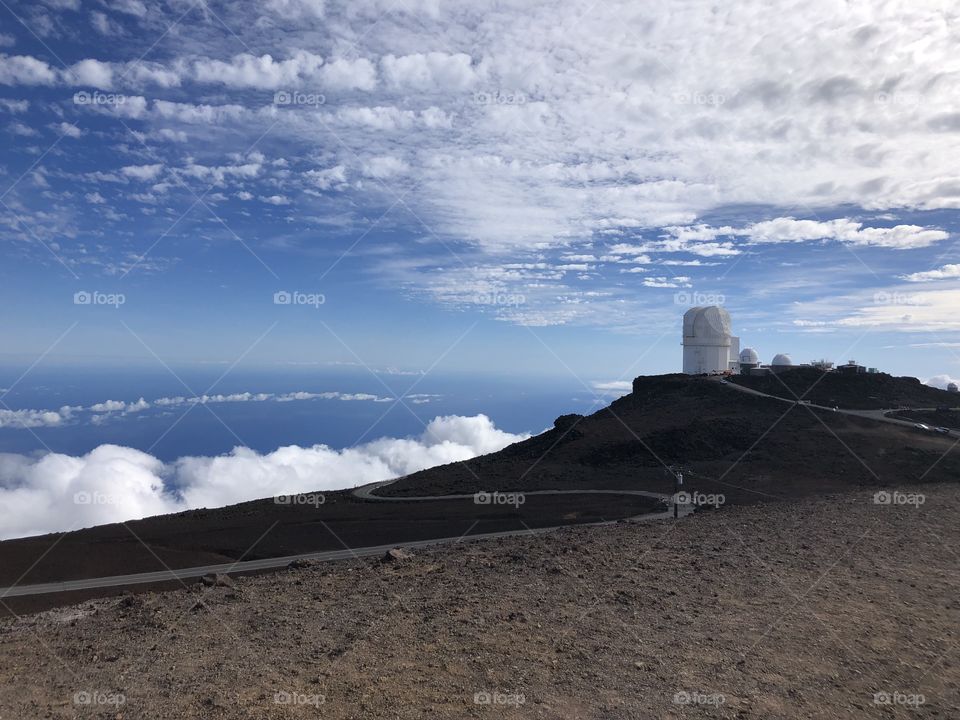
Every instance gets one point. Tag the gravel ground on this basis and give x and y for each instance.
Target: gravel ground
(831, 608)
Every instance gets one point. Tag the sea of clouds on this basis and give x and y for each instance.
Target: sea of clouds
(56, 492)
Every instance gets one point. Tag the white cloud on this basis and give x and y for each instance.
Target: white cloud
(14, 106)
(297, 9)
(328, 178)
(788, 229)
(943, 273)
(275, 199)
(92, 73)
(25, 70)
(142, 172)
(344, 74)
(113, 484)
(385, 167)
(613, 387)
(941, 381)
(430, 71)
(34, 418)
(69, 130)
(262, 72)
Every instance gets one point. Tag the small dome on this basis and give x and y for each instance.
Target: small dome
(707, 323)
(782, 360)
(749, 356)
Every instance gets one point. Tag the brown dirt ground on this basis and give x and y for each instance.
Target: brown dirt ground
(797, 609)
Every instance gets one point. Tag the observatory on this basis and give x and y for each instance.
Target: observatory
(749, 359)
(708, 342)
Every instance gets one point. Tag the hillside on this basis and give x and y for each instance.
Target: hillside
(802, 609)
(875, 391)
(748, 447)
(744, 447)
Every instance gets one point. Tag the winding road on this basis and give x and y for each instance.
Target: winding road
(368, 493)
(880, 415)
(364, 492)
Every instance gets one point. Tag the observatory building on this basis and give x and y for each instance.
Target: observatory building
(781, 363)
(708, 342)
(749, 359)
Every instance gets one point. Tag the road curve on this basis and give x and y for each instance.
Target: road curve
(363, 492)
(879, 415)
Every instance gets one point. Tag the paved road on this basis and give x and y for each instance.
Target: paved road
(365, 492)
(880, 415)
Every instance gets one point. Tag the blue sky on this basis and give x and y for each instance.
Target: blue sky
(511, 187)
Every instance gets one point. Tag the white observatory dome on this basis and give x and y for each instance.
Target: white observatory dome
(709, 323)
(782, 360)
(708, 342)
(749, 356)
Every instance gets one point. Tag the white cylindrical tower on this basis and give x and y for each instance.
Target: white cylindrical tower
(707, 341)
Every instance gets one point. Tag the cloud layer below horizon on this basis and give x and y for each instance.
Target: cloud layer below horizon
(57, 492)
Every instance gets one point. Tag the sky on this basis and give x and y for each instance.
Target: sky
(519, 187)
(550, 178)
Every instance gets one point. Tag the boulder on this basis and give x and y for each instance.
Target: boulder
(396, 555)
(217, 580)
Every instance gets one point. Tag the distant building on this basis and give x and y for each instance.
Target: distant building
(708, 342)
(781, 363)
(822, 365)
(952, 387)
(852, 368)
(749, 360)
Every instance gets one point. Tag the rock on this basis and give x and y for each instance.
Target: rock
(218, 580)
(396, 555)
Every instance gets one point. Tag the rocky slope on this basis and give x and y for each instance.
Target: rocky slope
(831, 607)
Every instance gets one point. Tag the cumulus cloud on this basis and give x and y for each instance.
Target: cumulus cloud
(142, 172)
(245, 70)
(25, 70)
(791, 230)
(430, 71)
(56, 492)
(941, 381)
(946, 272)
